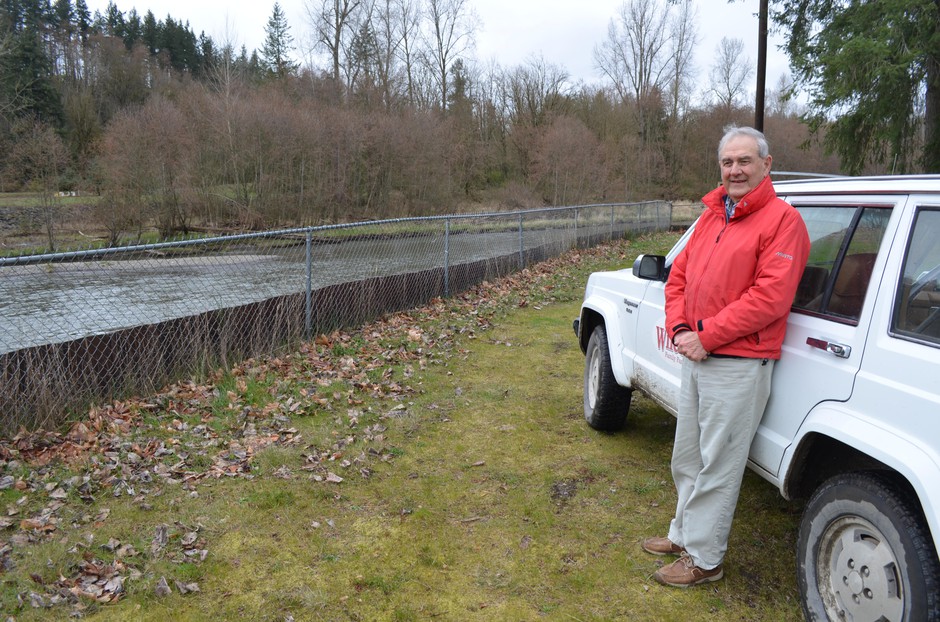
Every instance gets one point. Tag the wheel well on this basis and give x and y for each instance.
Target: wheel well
(589, 319)
(820, 457)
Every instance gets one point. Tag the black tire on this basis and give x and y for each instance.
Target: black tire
(864, 553)
(606, 403)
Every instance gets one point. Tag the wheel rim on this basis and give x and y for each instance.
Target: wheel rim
(593, 379)
(859, 575)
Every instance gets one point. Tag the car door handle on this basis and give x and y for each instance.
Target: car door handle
(840, 350)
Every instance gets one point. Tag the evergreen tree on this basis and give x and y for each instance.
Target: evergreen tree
(113, 21)
(133, 29)
(278, 45)
(150, 34)
(254, 70)
(26, 69)
(208, 56)
(460, 87)
(62, 15)
(64, 54)
(872, 71)
(82, 18)
(179, 43)
(364, 56)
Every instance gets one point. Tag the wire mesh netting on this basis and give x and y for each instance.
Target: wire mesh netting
(82, 327)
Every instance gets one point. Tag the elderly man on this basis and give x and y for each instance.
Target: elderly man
(727, 299)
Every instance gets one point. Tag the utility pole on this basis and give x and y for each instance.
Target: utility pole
(761, 66)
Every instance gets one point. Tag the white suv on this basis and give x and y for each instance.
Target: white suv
(853, 422)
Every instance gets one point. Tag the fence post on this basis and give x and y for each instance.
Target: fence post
(611, 223)
(308, 300)
(447, 258)
(577, 212)
(521, 246)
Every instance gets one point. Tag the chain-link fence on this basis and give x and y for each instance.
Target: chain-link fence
(89, 326)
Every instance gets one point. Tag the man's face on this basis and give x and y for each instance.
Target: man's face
(742, 168)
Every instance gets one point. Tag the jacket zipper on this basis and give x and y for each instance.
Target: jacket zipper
(708, 260)
(720, 233)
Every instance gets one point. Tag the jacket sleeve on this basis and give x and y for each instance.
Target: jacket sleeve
(779, 269)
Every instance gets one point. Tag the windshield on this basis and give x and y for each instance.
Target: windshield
(679, 245)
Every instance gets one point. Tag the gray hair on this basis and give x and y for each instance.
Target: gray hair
(733, 131)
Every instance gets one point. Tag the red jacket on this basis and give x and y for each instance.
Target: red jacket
(734, 281)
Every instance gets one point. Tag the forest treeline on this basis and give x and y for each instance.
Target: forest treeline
(390, 115)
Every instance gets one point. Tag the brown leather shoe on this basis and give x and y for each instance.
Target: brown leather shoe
(661, 546)
(684, 573)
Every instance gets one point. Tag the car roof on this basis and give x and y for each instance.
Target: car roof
(883, 184)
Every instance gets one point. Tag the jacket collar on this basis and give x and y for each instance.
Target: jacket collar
(757, 198)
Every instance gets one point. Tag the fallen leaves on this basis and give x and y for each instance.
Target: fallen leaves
(136, 449)
(93, 581)
(98, 581)
(162, 588)
(333, 478)
(160, 539)
(192, 432)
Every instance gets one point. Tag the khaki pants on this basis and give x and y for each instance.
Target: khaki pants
(721, 402)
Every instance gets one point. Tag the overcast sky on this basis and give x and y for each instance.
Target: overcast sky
(563, 32)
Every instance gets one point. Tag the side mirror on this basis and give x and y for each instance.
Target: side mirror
(650, 267)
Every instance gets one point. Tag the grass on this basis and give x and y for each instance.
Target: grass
(475, 493)
(34, 199)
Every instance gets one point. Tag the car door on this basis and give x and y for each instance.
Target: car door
(658, 366)
(828, 322)
(902, 359)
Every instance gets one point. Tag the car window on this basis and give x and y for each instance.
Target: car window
(844, 244)
(917, 303)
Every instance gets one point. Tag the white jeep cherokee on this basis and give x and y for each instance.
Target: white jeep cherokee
(853, 422)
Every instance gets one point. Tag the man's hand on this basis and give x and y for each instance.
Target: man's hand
(689, 346)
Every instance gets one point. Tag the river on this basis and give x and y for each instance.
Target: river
(56, 302)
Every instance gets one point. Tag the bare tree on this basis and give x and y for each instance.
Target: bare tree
(535, 90)
(533, 94)
(729, 75)
(644, 56)
(385, 15)
(633, 56)
(568, 164)
(223, 119)
(679, 87)
(118, 77)
(493, 103)
(40, 157)
(452, 26)
(83, 128)
(331, 21)
(683, 39)
(409, 27)
(780, 100)
(145, 162)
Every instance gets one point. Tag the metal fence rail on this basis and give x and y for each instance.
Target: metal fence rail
(89, 326)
